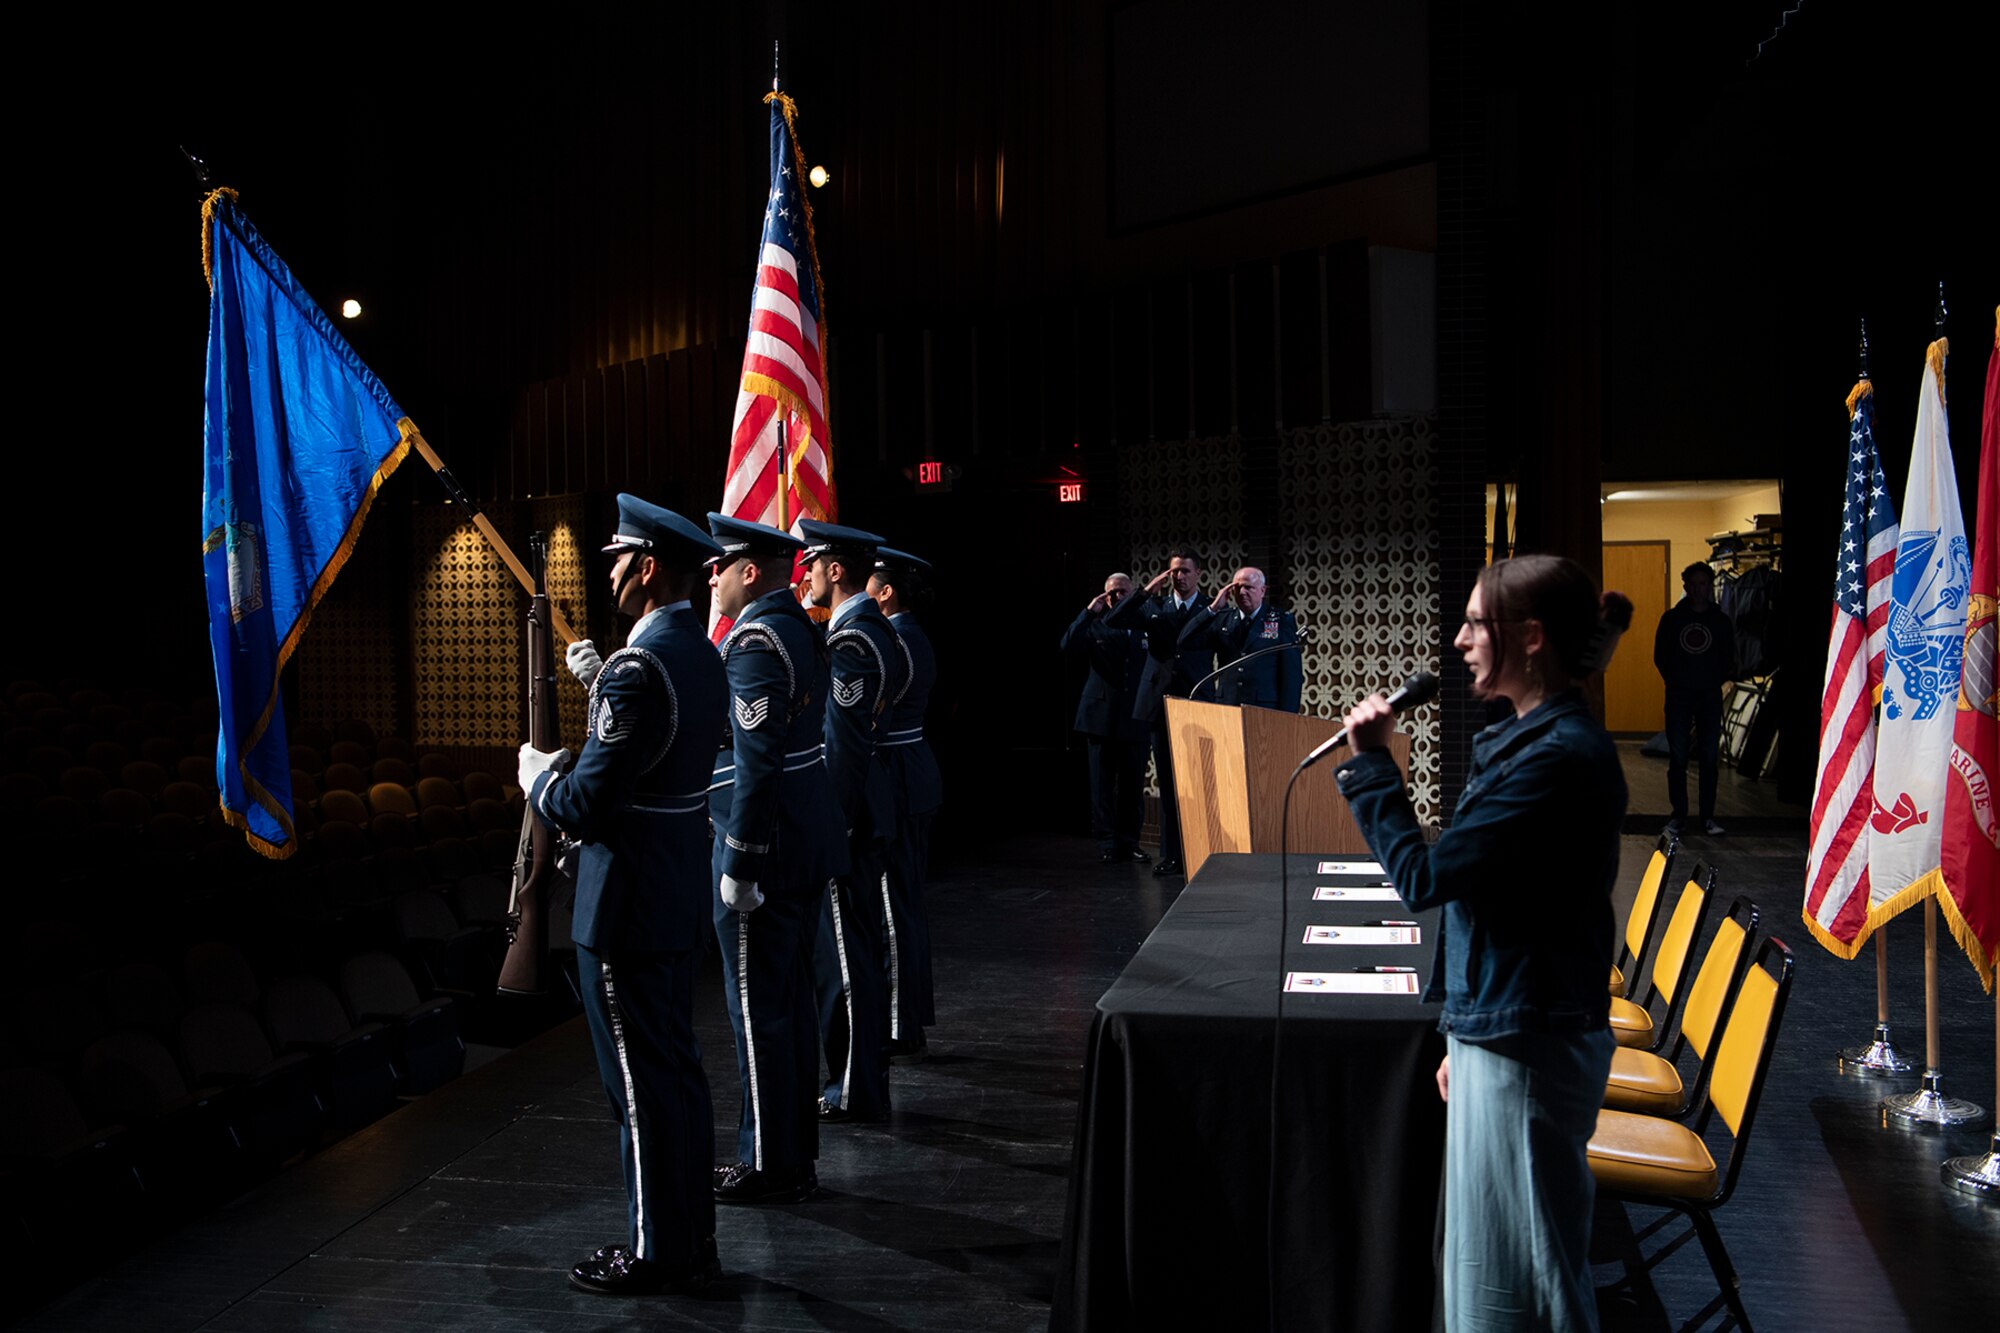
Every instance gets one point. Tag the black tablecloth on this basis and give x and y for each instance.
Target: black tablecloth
(1170, 1184)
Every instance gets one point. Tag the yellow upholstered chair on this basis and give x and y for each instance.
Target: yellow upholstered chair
(1632, 1021)
(1645, 914)
(1650, 1160)
(1651, 1084)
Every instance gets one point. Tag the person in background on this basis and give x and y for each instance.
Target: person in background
(1172, 598)
(1238, 623)
(1524, 876)
(1695, 651)
(1117, 741)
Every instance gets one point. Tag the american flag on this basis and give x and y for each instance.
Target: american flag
(784, 368)
(1836, 903)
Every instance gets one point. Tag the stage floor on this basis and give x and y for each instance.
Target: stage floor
(466, 1209)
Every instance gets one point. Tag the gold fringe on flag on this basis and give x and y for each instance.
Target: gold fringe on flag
(407, 431)
(1865, 389)
(1934, 356)
(208, 232)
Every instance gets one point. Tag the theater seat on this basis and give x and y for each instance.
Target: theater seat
(376, 988)
(359, 1074)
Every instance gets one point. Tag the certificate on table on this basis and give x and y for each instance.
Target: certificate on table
(1384, 932)
(1369, 982)
(1350, 868)
(1365, 893)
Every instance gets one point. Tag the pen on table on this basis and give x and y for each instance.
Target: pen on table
(1384, 969)
(1390, 923)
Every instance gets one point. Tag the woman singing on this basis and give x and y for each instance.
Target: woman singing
(1524, 875)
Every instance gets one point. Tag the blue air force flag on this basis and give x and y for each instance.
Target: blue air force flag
(299, 437)
(1921, 664)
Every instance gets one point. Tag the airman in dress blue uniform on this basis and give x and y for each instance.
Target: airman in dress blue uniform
(637, 800)
(1238, 623)
(1171, 599)
(900, 586)
(778, 844)
(871, 671)
(1116, 740)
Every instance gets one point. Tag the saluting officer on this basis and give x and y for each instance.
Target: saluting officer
(1238, 623)
(778, 844)
(900, 586)
(870, 672)
(637, 799)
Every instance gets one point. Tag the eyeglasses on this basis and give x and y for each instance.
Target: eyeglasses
(1488, 622)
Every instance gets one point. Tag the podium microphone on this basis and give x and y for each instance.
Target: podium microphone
(1418, 690)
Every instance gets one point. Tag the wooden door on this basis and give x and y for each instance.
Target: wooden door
(1635, 698)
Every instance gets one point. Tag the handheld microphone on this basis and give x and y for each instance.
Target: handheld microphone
(1418, 690)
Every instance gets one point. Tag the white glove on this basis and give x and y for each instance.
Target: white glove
(535, 762)
(741, 895)
(583, 661)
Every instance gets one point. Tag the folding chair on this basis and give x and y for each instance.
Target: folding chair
(1644, 916)
(1651, 1084)
(1632, 1023)
(1646, 1159)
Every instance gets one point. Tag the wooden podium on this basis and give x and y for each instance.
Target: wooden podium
(1230, 769)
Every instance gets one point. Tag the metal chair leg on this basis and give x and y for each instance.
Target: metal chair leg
(1718, 1261)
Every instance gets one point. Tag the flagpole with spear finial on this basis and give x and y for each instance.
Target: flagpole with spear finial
(784, 455)
(1880, 1057)
(1928, 1107)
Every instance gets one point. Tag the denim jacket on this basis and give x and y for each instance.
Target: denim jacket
(1524, 873)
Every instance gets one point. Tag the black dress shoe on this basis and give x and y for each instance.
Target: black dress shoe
(615, 1271)
(1168, 866)
(1136, 855)
(743, 1183)
(908, 1050)
(829, 1114)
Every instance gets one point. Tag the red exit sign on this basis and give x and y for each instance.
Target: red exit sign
(1069, 492)
(932, 475)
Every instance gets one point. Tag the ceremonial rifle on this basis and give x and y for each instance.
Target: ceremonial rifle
(535, 872)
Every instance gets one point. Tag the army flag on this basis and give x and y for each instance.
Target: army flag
(1920, 667)
(299, 437)
(1836, 903)
(782, 395)
(1971, 861)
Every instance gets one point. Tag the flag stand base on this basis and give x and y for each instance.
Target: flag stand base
(1879, 1059)
(1929, 1108)
(1977, 1176)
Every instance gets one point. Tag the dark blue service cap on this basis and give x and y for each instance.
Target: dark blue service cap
(738, 536)
(661, 533)
(891, 561)
(822, 538)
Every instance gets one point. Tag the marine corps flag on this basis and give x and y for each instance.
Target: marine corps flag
(1971, 863)
(1920, 667)
(300, 435)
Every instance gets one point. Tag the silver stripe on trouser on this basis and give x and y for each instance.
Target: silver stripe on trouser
(749, 1038)
(631, 1108)
(895, 963)
(846, 993)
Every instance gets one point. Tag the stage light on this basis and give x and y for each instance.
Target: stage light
(819, 176)
(350, 308)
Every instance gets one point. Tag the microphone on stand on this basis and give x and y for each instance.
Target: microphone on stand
(1304, 635)
(1418, 690)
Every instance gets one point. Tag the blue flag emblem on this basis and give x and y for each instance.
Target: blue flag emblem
(299, 437)
(1926, 644)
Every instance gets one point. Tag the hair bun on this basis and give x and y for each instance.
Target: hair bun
(1614, 617)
